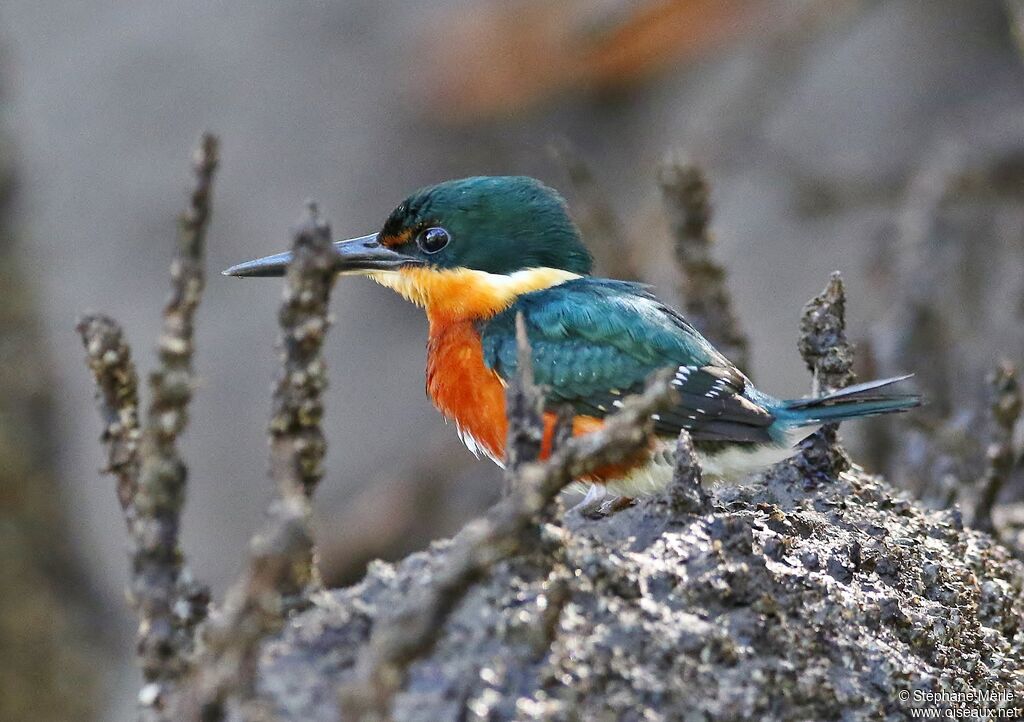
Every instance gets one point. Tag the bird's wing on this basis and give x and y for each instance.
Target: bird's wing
(595, 341)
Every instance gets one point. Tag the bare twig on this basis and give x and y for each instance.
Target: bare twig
(281, 565)
(150, 472)
(1005, 410)
(915, 333)
(594, 214)
(254, 608)
(829, 356)
(562, 429)
(164, 638)
(823, 345)
(919, 329)
(686, 493)
(400, 639)
(524, 402)
(297, 445)
(706, 297)
(117, 398)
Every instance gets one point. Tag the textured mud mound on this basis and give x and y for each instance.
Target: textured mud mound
(788, 602)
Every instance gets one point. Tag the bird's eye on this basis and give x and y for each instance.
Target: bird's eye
(433, 239)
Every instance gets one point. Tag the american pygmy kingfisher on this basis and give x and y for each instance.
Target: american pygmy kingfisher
(476, 252)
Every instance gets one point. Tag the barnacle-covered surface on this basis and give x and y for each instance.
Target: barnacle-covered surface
(791, 600)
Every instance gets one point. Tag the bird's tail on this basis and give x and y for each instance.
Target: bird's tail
(865, 399)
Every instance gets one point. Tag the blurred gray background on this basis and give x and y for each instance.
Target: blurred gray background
(812, 119)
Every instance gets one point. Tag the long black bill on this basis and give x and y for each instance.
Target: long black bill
(354, 255)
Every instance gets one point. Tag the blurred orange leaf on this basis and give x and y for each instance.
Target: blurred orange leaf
(509, 56)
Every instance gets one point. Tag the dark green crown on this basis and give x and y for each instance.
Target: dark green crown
(498, 224)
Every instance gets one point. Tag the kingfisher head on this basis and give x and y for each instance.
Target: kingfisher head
(471, 244)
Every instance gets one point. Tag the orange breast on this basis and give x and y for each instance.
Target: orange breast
(473, 396)
(463, 388)
(458, 382)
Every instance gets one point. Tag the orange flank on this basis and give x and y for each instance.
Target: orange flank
(473, 396)
(463, 388)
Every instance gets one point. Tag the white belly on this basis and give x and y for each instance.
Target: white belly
(729, 465)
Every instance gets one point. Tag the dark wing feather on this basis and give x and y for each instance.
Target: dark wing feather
(595, 341)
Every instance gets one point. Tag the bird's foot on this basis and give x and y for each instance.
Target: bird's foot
(598, 503)
(616, 503)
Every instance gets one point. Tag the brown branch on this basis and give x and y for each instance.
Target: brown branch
(595, 216)
(281, 565)
(823, 345)
(562, 429)
(150, 473)
(297, 445)
(117, 399)
(524, 402)
(400, 639)
(917, 335)
(164, 637)
(919, 330)
(706, 298)
(914, 334)
(686, 493)
(254, 608)
(829, 356)
(1005, 410)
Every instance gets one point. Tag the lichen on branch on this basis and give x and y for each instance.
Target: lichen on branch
(1001, 454)
(829, 357)
(296, 439)
(281, 568)
(706, 297)
(151, 474)
(117, 399)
